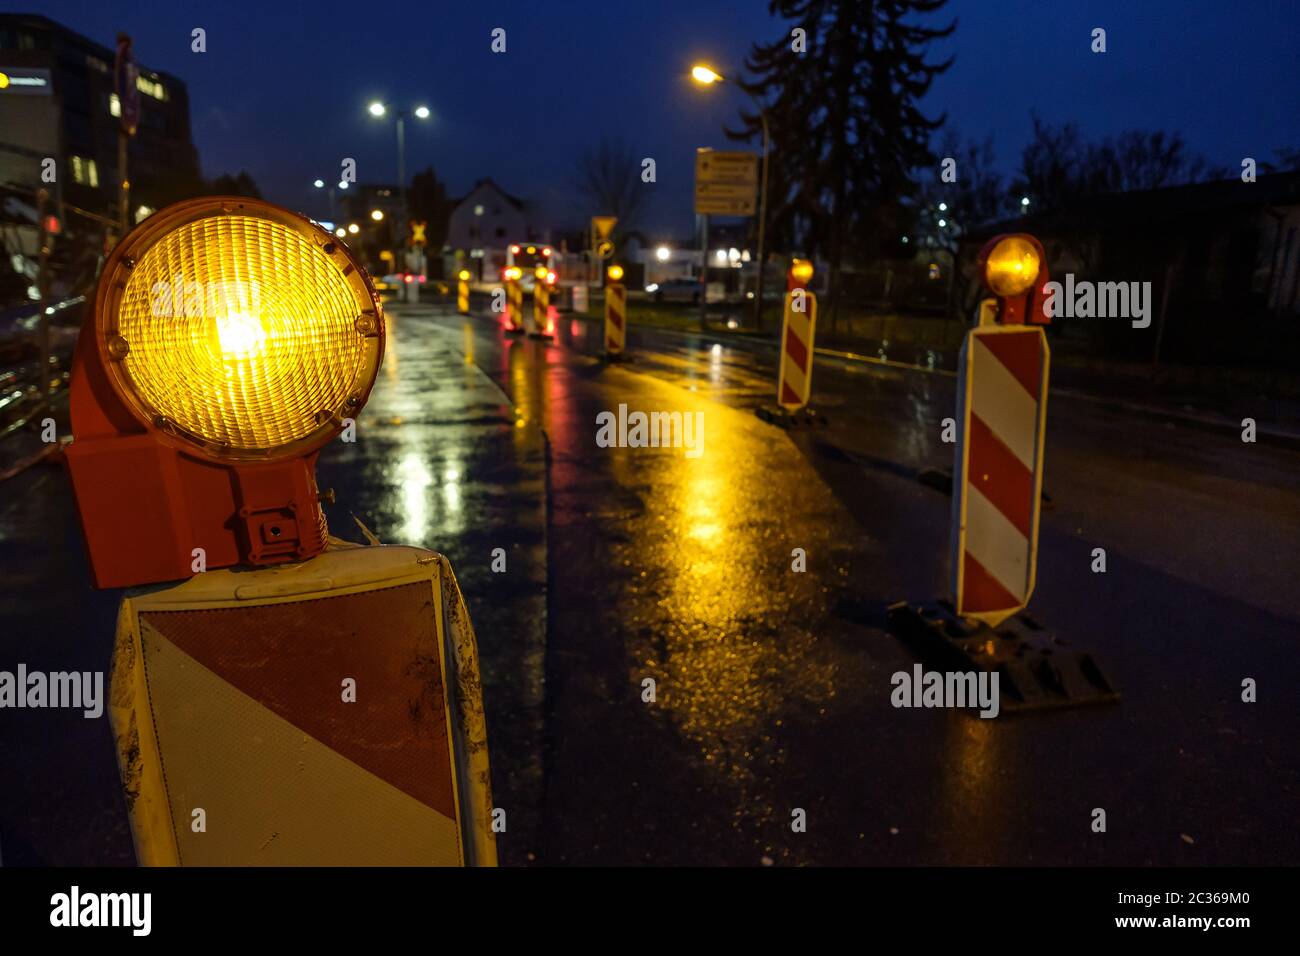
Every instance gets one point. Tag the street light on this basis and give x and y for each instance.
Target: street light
(320, 184)
(706, 76)
(377, 215)
(378, 109)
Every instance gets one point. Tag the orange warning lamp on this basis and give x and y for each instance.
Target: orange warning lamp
(463, 275)
(801, 273)
(540, 273)
(1014, 268)
(513, 273)
(615, 273)
(230, 339)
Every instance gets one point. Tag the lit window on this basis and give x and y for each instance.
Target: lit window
(478, 210)
(150, 87)
(84, 171)
(114, 104)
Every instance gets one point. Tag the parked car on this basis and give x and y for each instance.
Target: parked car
(674, 290)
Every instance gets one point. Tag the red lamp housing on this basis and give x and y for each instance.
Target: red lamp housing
(1013, 267)
(228, 341)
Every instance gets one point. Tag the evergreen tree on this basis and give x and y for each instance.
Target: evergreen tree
(846, 130)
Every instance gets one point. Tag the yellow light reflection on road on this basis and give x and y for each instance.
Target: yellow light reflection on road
(414, 479)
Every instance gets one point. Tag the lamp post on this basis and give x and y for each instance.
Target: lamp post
(705, 76)
(378, 109)
(320, 184)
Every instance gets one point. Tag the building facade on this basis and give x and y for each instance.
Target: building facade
(482, 227)
(57, 100)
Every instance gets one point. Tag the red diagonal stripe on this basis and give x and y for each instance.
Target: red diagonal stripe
(999, 475)
(981, 591)
(1020, 353)
(788, 395)
(291, 658)
(795, 348)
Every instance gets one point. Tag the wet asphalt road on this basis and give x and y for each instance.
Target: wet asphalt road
(772, 686)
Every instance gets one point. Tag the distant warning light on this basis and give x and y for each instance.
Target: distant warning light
(615, 273)
(801, 270)
(1012, 266)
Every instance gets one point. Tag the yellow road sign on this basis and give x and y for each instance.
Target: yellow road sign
(604, 248)
(417, 233)
(725, 182)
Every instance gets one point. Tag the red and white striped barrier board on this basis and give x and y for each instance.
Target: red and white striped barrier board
(514, 306)
(998, 470)
(541, 302)
(326, 713)
(794, 381)
(615, 318)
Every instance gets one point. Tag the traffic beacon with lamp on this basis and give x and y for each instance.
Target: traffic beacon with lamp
(543, 325)
(996, 497)
(798, 333)
(462, 291)
(615, 314)
(229, 341)
(276, 675)
(514, 300)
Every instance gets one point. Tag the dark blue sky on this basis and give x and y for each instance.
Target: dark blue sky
(282, 88)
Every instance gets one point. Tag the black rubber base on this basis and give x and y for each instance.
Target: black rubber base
(782, 417)
(1037, 670)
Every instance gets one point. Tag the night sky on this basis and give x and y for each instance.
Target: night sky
(282, 89)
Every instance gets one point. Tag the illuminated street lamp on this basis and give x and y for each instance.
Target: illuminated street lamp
(377, 215)
(663, 253)
(378, 109)
(706, 76)
(320, 184)
(353, 228)
(702, 74)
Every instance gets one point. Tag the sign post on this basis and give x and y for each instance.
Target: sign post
(795, 368)
(541, 304)
(615, 314)
(997, 490)
(725, 185)
(462, 292)
(602, 246)
(125, 83)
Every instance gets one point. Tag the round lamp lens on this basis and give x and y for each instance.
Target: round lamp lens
(244, 333)
(1012, 266)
